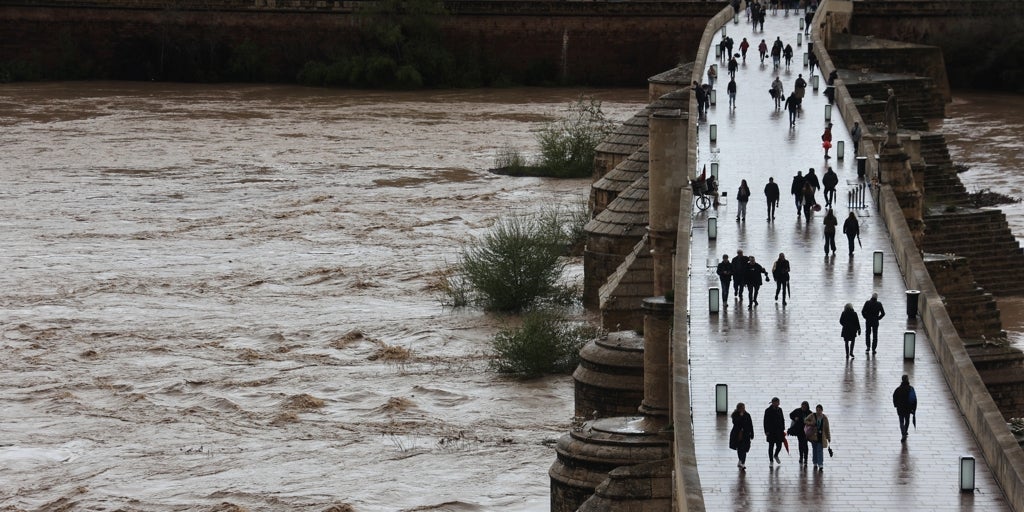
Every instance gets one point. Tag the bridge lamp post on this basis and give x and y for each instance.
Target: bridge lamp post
(966, 473)
(800, 38)
(814, 82)
(876, 263)
(713, 300)
(840, 146)
(714, 132)
(714, 170)
(828, 112)
(909, 344)
(806, 60)
(712, 235)
(722, 398)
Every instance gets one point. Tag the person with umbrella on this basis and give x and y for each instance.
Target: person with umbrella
(904, 399)
(774, 431)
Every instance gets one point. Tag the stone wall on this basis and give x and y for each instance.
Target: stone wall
(583, 42)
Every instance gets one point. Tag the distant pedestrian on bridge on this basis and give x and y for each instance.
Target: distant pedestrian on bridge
(771, 196)
(702, 99)
(852, 229)
(851, 328)
(797, 190)
(826, 139)
(780, 272)
(712, 75)
(777, 91)
(731, 90)
(742, 196)
(831, 222)
(777, 53)
(904, 399)
(739, 274)
(744, 46)
(830, 180)
(820, 436)
(796, 428)
(873, 311)
(787, 53)
(792, 106)
(742, 433)
(856, 135)
(753, 280)
(763, 50)
(774, 431)
(724, 272)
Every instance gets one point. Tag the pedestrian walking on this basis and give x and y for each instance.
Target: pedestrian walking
(741, 435)
(797, 190)
(777, 92)
(792, 106)
(744, 46)
(777, 52)
(851, 328)
(812, 180)
(826, 139)
(731, 89)
(702, 98)
(800, 87)
(873, 311)
(812, 62)
(753, 280)
(856, 135)
(739, 274)
(771, 196)
(742, 196)
(728, 46)
(809, 201)
(780, 273)
(796, 428)
(733, 65)
(830, 180)
(724, 272)
(851, 228)
(712, 75)
(819, 434)
(787, 54)
(763, 50)
(830, 231)
(904, 399)
(774, 431)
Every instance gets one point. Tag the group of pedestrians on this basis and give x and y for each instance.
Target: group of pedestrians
(807, 426)
(744, 273)
(872, 312)
(811, 428)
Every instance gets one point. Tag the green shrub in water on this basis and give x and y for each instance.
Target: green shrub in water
(545, 343)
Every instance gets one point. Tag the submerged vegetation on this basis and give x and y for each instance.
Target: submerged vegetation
(546, 342)
(567, 145)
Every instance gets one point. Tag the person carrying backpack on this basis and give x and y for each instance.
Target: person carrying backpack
(904, 399)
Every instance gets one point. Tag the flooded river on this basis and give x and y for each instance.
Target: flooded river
(202, 287)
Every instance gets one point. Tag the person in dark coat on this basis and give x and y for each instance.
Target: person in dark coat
(797, 429)
(725, 276)
(741, 435)
(797, 189)
(851, 228)
(774, 431)
(851, 328)
(780, 273)
(739, 274)
(830, 180)
(787, 54)
(792, 106)
(904, 399)
(809, 200)
(771, 195)
(872, 313)
(753, 280)
(731, 90)
(742, 196)
(830, 231)
(702, 98)
(812, 178)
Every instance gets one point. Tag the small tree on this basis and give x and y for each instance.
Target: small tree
(516, 263)
(545, 343)
(567, 146)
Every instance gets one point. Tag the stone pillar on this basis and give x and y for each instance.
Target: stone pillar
(668, 165)
(895, 170)
(657, 357)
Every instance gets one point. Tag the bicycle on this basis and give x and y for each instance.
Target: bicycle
(703, 193)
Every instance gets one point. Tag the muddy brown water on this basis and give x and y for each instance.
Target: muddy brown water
(225, 296)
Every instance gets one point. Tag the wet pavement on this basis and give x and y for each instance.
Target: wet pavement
(795, 352)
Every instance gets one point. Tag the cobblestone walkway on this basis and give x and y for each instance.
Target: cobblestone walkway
(796, 352)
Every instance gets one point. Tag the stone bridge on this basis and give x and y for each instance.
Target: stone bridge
(769, 349)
